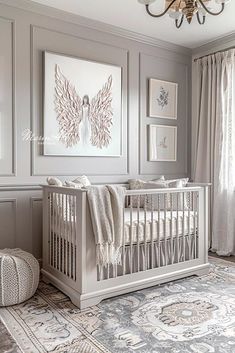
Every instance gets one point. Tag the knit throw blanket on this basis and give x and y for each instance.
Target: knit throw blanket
(106, 208)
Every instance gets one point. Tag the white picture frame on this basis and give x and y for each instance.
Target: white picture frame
(163, 98)
(162, 143)
(86, 79)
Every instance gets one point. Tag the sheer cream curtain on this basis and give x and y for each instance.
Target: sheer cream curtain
(215, 143)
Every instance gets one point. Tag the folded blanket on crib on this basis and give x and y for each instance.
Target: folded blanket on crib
(106, 207)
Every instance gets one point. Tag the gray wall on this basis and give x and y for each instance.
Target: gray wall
(26, 31)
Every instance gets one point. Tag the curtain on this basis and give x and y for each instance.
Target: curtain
(215, 144)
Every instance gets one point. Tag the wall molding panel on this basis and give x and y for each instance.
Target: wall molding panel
(7, 113)
(44, 38)
(8, 219)
(36, 225)
(179, 74)
(94, 25)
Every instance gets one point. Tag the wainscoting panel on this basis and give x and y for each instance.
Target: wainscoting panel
(173, 71)
(7, 90)
(7, 223)
(36, 222)
(44, 39)
(21, 218)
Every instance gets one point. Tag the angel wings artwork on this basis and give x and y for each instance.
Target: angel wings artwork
(82, 117)
(82, 106)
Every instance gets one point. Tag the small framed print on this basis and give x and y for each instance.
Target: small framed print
(162, 99)
(162, 143)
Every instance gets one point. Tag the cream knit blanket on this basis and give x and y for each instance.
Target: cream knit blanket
(106, 208)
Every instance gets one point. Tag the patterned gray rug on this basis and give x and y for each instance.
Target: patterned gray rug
(193, 315)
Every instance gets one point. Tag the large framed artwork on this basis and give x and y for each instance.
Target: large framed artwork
(163, 99)
(82, 107)
(162, 143)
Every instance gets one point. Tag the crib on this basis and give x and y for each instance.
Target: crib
(165, 237)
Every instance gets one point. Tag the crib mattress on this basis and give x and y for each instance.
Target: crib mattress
(157, 227)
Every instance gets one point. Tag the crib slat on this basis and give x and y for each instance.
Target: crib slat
(158, 230)
(177, 227)
(107, 272)
(183, 226)
(56, 233)
(138, 233)
(60, 231)
(171, 230)
(50, 228)
(101, 268)
(152, 243)
(145, 233)
(66, 234)
(124, 244)
(70, 236)
(164, 229)
(131, 237)
(54, 242)
(74, 238)
(189, 225)
(63, 236)
(69, 242)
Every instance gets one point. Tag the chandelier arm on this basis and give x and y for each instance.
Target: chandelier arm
(210, 12)
(201, 22)
(179, 23)
(161, 14)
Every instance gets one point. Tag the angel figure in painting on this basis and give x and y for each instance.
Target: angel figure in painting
(81, 119)
(85, 124)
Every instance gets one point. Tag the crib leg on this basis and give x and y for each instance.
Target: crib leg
(204, 271)
(86, 303)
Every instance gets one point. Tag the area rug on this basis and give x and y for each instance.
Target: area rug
(192, 315)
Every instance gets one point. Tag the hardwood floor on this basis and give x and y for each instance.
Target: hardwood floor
(226, 258)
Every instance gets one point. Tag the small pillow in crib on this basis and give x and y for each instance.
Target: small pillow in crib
(138, 184)
(54, 181)
(178, 183)
(71, 184)
(157, 201)
(83, 180)
(183, 203)
(166, 201)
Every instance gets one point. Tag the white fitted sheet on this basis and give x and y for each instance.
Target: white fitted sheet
(158, 223)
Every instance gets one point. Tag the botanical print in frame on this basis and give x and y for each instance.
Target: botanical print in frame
(82, 107)
(162, 143)
(163, 99)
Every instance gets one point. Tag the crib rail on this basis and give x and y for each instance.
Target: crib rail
(160, 228)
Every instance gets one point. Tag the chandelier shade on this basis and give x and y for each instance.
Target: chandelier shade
(186, 9)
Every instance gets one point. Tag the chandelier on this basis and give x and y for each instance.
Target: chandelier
(181, 9)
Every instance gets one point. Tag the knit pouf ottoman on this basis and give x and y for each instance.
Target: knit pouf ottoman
(19, 276)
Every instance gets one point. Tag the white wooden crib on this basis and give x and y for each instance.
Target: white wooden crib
(165, 238)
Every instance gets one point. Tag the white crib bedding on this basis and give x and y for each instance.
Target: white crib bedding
(139, 232)
(157, 223)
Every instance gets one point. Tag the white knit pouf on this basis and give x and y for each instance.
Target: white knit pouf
(19, 276)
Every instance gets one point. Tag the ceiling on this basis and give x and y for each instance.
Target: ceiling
(131, 15)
